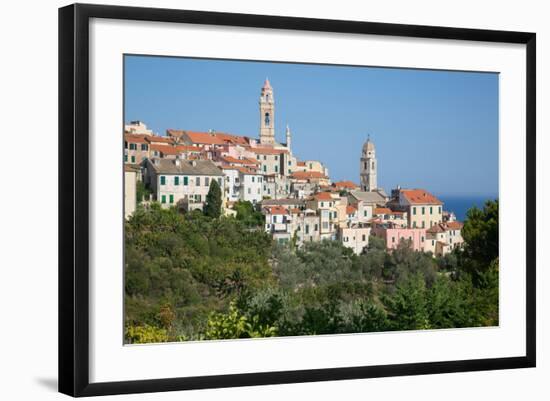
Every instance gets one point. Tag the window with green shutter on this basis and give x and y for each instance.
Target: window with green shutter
(171, 198)
(185, 180)
(176, 181)
(125, 158)
(163, 198)
(133, 159)
(162, 180)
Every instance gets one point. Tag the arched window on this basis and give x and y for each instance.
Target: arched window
(267, 119)
(267, 98)
(373, 165)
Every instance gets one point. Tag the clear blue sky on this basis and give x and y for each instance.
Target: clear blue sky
(436, 130)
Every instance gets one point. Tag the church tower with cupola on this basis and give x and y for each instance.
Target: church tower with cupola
(267, 115)
(368, 167)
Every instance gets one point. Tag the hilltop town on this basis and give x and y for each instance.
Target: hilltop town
(297, 198)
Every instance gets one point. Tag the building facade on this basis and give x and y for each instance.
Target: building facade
(178, 180)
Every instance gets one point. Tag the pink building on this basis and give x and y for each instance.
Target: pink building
(393, 236)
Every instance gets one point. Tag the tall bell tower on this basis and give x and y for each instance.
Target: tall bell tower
(267, 115)
(369, 167)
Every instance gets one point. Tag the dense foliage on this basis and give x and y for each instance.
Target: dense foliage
(192, 277)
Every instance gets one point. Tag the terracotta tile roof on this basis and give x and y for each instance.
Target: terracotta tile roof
(442, 227)
(209, 138)
(135, 138)
(301, 164)
(268, 151)
(233, 139)
(350, 209)
(382, 210)
(242, 169)
(345, 185)
(165, 149)
(420, 197)
(251, 161)
(231, 159)
(189, 148)
(438, 228)
(305, 175)
(295, 211)
(204, 138)
(276, 210)
(322, 196)
(455, 225)
(159, 139)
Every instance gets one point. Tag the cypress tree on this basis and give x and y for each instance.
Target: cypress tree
(213, 206)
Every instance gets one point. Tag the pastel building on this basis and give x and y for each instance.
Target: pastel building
(242, 183)
(386, 215)
(136, 148)
(130, 196)
(365, 203)
(138, 128)
(175, 180)
(278, 223)
(393, 236)
(423, 209)
(355, 237)
(307, 226)
(442, 238)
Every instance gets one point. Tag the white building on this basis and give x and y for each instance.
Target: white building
(137, 128)
(442, 238)
(175, 180)
(130, 198)
(243, 184)
(278, 223)
(355, 237)
(232, 187)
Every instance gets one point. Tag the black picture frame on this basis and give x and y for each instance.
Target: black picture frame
(74, 198)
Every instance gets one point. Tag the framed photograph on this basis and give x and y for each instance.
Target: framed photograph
(251, 199)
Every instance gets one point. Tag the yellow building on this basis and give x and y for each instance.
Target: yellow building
(423, 209)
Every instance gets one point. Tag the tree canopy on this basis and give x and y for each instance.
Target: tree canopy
(204, 276)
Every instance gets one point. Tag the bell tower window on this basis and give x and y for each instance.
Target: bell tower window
(267, 119)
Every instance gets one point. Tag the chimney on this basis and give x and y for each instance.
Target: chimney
(177, 162)
(156, 162)
(194, 163)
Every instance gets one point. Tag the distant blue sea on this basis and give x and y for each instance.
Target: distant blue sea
(459, 205)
